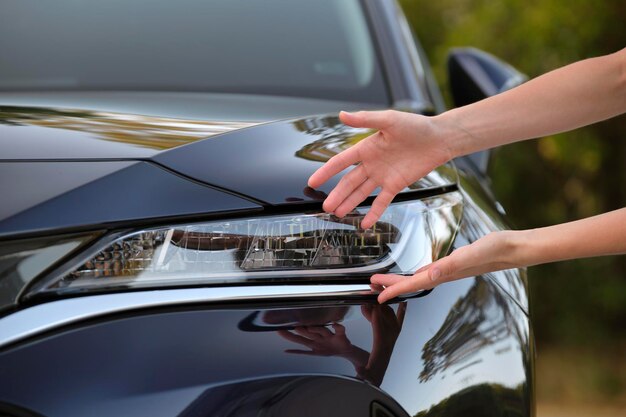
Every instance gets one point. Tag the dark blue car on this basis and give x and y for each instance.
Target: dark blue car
(161, 254)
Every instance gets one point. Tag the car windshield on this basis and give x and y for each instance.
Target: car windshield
(307, 48)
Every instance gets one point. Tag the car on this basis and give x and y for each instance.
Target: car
(162, 255)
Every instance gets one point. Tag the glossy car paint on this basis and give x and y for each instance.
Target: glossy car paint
(463, 349)
(161, 168)
(466, 348)
(292, 151)
(44, 197)
(106, 125)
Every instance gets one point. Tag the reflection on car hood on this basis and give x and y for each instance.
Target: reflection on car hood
(133, 125)
(43, 133)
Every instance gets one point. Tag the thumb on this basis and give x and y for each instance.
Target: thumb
(339, 329)
(434, 270)
(440, 270)
(407, 285)
(425, 278)
(369, 119)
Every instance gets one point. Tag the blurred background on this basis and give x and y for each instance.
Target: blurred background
(578, 307)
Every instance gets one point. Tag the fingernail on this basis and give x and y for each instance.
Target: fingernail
(435, 274)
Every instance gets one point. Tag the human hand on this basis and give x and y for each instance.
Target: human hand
(493, 252)
(320, 340)
(406, 147)
(386, 327)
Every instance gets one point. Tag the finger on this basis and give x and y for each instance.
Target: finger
(320, 330)
(415, 283)
(370, 119)
(361, 193)
(424, 268)
(401, 313)
(339, 329)
(302, 331)
(295, 338)
(385, 314)
(437, 270)
(300, 352)
(376, 287)
(348, 183)
(334, 166)
(366, 310)
(379, 205)
(387, 279)
(361, 371)
(314, 194)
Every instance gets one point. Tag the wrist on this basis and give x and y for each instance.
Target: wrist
(456, 140)
(522, 247)
(355, 355)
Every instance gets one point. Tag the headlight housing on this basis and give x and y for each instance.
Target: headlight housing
(293, 247)
(22, 261)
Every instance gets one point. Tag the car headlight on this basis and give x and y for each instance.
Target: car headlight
(23, 260)
(294, 247)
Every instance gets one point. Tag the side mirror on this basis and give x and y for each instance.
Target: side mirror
(474, 75)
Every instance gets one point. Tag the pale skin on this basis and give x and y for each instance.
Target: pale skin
(407, 146)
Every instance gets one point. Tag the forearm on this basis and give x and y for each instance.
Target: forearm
(567, 98)
(600, 235)
(595, 236)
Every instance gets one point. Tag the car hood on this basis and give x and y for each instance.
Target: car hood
(225, 141)
(133, 125)
(272, 162)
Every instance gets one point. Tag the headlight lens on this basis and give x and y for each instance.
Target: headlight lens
(306, 246)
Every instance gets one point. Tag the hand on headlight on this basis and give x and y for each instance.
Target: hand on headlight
(493, 252)
(405, 148)
(603, 235)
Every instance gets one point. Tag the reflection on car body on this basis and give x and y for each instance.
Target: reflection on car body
(161, 253)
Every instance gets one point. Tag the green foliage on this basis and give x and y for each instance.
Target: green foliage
(554, 179)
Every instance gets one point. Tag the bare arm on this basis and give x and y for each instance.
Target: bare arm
(576, 95)
(595, 236)
(407, 146)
